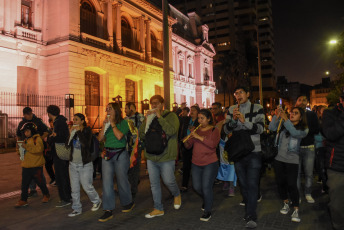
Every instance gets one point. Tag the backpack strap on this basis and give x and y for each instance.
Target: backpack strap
(251, 112)
(136, 118)
(166, 114)
(34, 140)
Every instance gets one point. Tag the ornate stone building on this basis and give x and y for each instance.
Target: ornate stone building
(98, 49)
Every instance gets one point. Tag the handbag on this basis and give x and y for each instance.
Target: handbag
(240, 144)
(270, 144)
(62, 151)
(111, 152)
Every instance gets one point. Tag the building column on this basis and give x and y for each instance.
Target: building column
(148, 40)
(44, 17)
(110, 23)
(18, 13)
(2, 15)
(100, 24)
(135, 29)
(118, 27)
(7, 17)
(170, 45)
(142, 36)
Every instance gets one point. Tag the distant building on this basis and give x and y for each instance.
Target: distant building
(235, 25)
(192, 56)
(291, 90)
(319, 93)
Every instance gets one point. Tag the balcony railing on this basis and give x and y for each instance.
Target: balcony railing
(95, 41)
(157, 61)
(132, 53)
(183, 78)
(209, 83)
(27, 34)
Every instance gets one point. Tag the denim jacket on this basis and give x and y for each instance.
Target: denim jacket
(295, 135)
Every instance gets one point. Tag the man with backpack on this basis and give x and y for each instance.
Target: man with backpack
(161, 149)
(134, 170)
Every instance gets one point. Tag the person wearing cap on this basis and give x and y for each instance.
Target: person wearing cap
(42, 129)
(32, 164)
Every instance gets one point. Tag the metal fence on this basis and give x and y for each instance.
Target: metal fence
(12, 105)
(11, 112)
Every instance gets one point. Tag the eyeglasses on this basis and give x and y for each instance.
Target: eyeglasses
(238, 92)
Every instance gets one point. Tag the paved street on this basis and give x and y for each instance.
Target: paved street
(227, 214)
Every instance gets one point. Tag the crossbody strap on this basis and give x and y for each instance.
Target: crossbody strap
(251, 112)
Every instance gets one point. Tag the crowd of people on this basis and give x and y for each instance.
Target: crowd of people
(306, 141)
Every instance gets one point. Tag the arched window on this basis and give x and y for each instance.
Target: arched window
(88, 18)
(154, 45)
(92, 97)
(126, 33)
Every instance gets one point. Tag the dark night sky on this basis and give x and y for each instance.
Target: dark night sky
(302, 29)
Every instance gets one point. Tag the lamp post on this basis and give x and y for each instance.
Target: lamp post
(145, 105)
(174, 106)
(118, 99)
(166, 55)
(69, 103)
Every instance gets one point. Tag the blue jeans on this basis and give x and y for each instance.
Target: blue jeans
(166, 171)
(307, 157)
(120, 167)
(79, 173)
(203, 178)
(248, 172)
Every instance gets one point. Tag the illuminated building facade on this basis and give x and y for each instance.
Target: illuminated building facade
(96, 50)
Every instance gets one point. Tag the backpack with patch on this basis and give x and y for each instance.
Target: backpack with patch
(94, 148)
(156, 139)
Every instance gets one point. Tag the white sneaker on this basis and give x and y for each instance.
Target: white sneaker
(295, 216)
(95, 207)
(285, 209)
(309, 198)
(74, 213)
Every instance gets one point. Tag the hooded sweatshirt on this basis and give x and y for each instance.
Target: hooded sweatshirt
(34, 152)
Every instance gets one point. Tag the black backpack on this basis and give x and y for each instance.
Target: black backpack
(156, 139)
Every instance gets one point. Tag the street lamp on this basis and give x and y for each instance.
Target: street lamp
(174, 106)
(327, 72)
(118, 99)
(333, 42)
(145, 105)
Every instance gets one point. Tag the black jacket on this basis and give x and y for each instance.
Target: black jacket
(85, 138)
(62, 133)
(333, 130)
(41, 127)
(184, 124)
(313, 127)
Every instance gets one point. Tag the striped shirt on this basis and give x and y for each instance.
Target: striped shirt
(256, 127)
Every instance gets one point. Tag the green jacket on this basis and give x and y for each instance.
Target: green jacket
(170, 124)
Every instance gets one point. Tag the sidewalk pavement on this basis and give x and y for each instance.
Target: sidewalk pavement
(227, 214)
